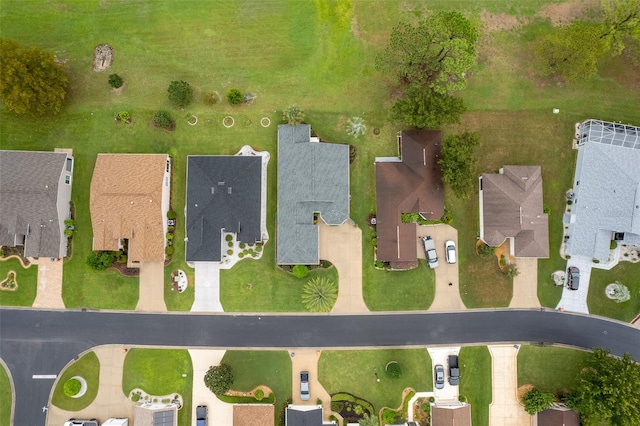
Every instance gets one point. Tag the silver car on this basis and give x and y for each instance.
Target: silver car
(439, 376)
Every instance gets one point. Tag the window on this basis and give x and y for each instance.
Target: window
(69, 165)
(67, 179)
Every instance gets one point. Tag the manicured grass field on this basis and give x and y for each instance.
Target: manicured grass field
(87, 367)
(354, 372)
(551, 369)
(159, 372)
(626, 273)
(399, 290)
(253, 368)
(27, 280)
(6, 397)
(475, 381)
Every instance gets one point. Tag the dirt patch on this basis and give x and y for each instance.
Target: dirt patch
(355, 30)
(492, 22)
(523, 390)
(102, 57)
(563, 13)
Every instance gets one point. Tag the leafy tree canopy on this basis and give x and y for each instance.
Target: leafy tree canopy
(609, 390)
(621, 22)
(31, 82)
(219, 379)
(458, 161)
(436, 54)
(535, 400)
(427, 108)
(180, 93)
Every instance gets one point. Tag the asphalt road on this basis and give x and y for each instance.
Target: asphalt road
(36, 342)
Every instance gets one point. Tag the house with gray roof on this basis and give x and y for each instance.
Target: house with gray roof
(35, 192)
(226, 194)
(511, 208)
(606, 190)
(313, 184)
(305, 415)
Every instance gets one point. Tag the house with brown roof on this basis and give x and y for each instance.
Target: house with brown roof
(451, 415)
(35, 191)
(511, 208)
(410, 183)
(129, 204)
(558, 415)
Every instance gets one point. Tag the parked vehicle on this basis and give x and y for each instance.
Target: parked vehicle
(116, 422)
(439, 376)
(202, 413)
(454, 371)
(430, 252)
(574, 278)
(304, 385)
(75, 422)
(450, 251)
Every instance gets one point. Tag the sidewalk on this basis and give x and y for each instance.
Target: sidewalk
(505, 409)
(110, 401)
(49, 294)
(342, 246)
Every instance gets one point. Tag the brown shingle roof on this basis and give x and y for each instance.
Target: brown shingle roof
(411, 185)
(552, 417)
(449, 416)
(251, 415)
(512, 207)
(126, 203)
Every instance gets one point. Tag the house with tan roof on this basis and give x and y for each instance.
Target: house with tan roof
(410, 183)
(129, 204)
(35, 191)
(511, 208)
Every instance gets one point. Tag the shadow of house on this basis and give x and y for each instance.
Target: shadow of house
(313, 184)
(411, 183)
(35, 192)
(511, 208)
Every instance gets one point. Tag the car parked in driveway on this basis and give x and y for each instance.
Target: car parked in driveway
(439, 376)
(201, 415)
(573, 276)
(450, 251)
(430, 252)
(454, 370)
(304, 385)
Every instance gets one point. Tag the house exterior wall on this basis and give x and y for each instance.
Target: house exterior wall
(63, 203)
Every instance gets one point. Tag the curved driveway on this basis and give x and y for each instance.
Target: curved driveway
(36, 342)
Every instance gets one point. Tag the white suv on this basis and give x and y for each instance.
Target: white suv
(450, 251)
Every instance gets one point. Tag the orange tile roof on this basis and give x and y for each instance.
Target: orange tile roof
(126, 203)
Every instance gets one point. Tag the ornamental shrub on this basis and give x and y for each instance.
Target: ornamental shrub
(234, 96)
(100, 260)
(393, 370)
(169, 250)
(115, 81)
(171, 214)
(219, 379)
(486, 251)
(164, 120)
(72, 387)
(180, 93)
(259, 394)
(300, 271)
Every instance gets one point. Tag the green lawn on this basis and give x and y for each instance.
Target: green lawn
(475, 381)
(27, 283)
(6, 397)
(599, 304)
(354, 372)
(253, 368)
(87, 367)
(160, 372)
(551, 369)
(319, 55)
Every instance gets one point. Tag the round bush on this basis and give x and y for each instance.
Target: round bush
(164, 120)
(115, 81)
(72, 387)
(171, 214)
(259, 394)
(228, 237)
(135, 397)
(234, 96)
(169, 251)
(394, 370)
(300, 271)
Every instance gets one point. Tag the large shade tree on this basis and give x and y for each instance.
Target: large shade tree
(426, 108)
(609, 390)
(31, 81)
(458, 162)
(435, 54)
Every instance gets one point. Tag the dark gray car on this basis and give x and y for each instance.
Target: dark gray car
(574, 278)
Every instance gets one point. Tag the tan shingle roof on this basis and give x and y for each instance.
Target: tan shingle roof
(126, 203)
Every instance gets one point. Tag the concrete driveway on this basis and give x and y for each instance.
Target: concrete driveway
(576, 300)
(342, 246)
(151, 298)
(447, 296)
(525, 284)
(207, 290)
(307, 360)
(49, 295)
(440, 356)
(220, 413)
(505, 409)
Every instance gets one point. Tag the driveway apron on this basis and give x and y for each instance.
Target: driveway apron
(151, 298)
(525, 284)
(447, 296)
(220, 413)
(307, 360)
(207, 295)
(440, 355)
(342, 246)
(576, 300)
(505, 409)
(49, 295)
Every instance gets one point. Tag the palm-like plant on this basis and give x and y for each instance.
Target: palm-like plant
(319, 294)
(293, 115)
(356, 127)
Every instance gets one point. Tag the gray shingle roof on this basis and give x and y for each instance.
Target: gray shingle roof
(223, 193)
(304, 416)
(31, 187)
(512, 207)
(606, 188)
(312, 177)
